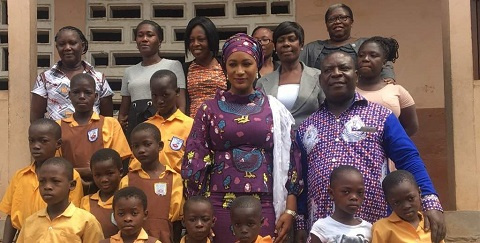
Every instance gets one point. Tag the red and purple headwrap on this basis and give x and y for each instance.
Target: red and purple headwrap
(244, 43)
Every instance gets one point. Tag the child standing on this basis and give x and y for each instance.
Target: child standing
(130, 212)
(172, 123)
(347, 190)
(406, 223)
(22, 198)
(247, 220)
(198, 219)
(61, 221)
(106, 166)
(162, 184)
(85, 132)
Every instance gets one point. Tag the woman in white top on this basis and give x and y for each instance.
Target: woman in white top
(293, 83)
(136, 104)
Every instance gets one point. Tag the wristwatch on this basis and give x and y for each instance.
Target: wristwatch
(291, 212)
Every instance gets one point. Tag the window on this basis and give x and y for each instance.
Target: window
(168, 11)
(210, 10)
(280, 8)
(98, 12)
(255, 8)
(125, 12)
(106, 35)
(43, 13)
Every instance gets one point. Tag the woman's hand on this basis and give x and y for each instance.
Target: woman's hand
(283, 226)
(435, 222)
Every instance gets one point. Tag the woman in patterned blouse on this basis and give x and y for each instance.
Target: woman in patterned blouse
(204, 74)
(241, 144)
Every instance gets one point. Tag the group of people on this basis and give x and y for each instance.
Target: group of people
(271, 141)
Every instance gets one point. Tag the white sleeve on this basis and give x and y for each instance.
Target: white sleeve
(177, 68)
(318, 230)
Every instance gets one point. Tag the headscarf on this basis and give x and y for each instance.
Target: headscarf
(244, 43)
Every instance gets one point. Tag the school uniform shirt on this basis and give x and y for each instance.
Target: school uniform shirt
(54, 85)
(174, 130)
(393, 229)
(85, 202)
(266, 239)
(73, 225)
(112, 133)
(329, 230)
(176, 203)
(141, 238)
(23, 199)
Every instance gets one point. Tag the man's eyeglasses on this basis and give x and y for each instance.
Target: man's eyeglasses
(342, 18)
(264, 41)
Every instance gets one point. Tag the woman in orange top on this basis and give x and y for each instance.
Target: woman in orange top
(204, 74)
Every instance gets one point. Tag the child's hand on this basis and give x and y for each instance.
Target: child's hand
(283, 226)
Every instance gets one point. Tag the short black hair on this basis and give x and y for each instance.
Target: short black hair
(51, 124)
(337, 172)
(389, 46)
(395, 178)
(288, 27)
(150, 128)
(164, 73)
(337, 52)
(61, 162)
(210, 31)
(196, 199)
(335, 6)
(106, 154)
(261, 27)
(129, 192)
(83, 76)
(154, 24)
(246, 202)
(80, 34)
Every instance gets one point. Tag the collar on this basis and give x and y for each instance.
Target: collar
(70, 119)
(67, 213)
(86, 66)
(357, 99)
(184, 239)
(141, 236)
(138, 167)
(394, 218)
(96, 197)
(178, 114)
(28, 169)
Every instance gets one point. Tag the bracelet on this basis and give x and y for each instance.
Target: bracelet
(291, 212)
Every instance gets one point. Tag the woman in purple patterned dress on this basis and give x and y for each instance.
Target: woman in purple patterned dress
(241, 144)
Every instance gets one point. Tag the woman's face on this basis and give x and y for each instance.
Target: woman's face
(370, 60)
(241, 72)
(339, 24)
(148, 42)
(199, 43)
(69, 47)
(288, 48)
(265, 37)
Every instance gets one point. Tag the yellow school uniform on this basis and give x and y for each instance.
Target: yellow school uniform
(85, 202)
(176, 202)
(393, 229)
(141, 238)
(112, 133)
(174, 131)
(266, 239)
(23, 199)
(73, 225)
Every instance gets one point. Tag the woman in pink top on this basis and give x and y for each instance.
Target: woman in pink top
(372, 55)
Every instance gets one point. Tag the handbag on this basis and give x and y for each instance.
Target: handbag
(140, 111)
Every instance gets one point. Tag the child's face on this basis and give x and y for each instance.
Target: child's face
(198, 220)
(164, 96)
(404, 199)
(347, 192)
(246, 223)
(42, 142)
(145, 147)
(53, 183)
(129, 215)
(83, 95)
(106, 175)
